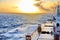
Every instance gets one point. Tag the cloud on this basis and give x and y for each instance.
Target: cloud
(10, 5)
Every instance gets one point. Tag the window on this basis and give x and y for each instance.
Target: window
(48, 26)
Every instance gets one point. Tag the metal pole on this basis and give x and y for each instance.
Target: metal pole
(56, 37)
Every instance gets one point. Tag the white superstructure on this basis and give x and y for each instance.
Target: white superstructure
(47, 26)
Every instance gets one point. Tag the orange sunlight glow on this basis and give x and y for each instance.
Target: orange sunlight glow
(26, 6)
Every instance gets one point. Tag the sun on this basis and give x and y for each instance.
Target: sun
(26, 6)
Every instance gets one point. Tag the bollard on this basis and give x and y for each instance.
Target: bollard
(39, 29)
(28, 37)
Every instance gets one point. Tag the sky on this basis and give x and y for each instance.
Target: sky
(14, 6)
